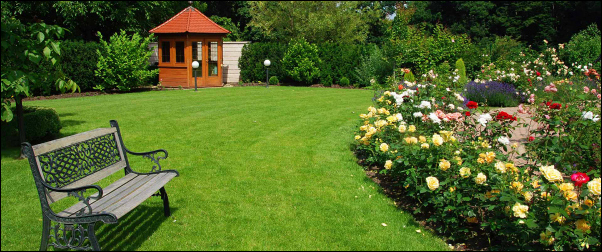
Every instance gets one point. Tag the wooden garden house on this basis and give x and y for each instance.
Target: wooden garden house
(186, 37)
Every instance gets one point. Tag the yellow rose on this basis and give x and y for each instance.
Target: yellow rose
(392, 119)
(480, 179)
(570, 195)
(528, 196)
(582, 225)
(465, 172)
(446, 135)
(433, 183)
(485, 144)
(437, 140)
(511, 167)
(517, 186)
(480, 160)
(514, 146)
(412, 128)
(383, 111)
(402, 128)
(452, 189)
(384, 147)
(381, 99)
(490, 156)
(452, 138)
(520, 211)
(491, 193)
(594, 186)
(444, 164)
(388, 102)
(500, 167)
(535, 184)
(357, 137)
(414, 140)
(387, 93)
(388, 164)
(546, 195)
(557, 217)
(551, 174)
(372, 109)
(380, 123)
(472, 220)
(547, 238)
(566, 187)
(424, 146)
(422, 139)
(588, 203)
(364, 127)
(458, 160)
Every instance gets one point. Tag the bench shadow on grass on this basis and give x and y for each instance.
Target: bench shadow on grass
(132, 230)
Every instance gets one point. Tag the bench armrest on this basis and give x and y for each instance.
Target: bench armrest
(78, 192)
(151, 155)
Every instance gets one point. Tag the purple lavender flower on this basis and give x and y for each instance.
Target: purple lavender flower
(493, 93)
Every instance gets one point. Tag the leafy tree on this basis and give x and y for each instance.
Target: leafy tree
(235, 34)
(24, 49)
(319, 21)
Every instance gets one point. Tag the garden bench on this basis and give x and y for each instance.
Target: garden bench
(69, 166)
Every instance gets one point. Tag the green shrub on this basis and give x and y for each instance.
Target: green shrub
(339, 60)
(327, 81)
(373, 68)
(409, 76)
(584, 47)
(344, 82)
(251, 61)
(462, 72)
(123, 63)
(274, 80)
(41, 124)
(301, 61)
(78, 60)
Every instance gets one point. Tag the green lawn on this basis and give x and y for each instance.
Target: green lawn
(260, 169)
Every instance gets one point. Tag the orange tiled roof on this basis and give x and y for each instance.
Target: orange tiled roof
(189, 20)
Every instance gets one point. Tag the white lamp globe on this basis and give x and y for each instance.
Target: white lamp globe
(267, 63)
(195, 64)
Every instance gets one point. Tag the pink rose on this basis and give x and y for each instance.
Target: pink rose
(547, 89)
(554, 90)
(547, 117)
(440, 114)
(453, 116)
(522, 109)
(585, 90)
(593, 91)
(599, 96)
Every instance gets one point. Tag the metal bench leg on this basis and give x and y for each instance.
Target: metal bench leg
(92, 237)
(165, 202)
(45, 233)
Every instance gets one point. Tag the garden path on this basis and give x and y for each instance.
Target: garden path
(520, 134)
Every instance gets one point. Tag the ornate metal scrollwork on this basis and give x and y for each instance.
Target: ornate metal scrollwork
(151, 156)
(67, 165)
(86, 200)
(72, 236)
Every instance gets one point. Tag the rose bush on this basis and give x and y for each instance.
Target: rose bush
(445, 153)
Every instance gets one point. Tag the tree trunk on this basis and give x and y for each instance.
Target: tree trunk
(19, 105)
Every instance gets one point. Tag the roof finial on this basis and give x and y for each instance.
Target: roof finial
(190, 2)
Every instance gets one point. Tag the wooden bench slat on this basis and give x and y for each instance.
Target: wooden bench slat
(119, 194)
(66, 141)
(106, 192)
(140, 195)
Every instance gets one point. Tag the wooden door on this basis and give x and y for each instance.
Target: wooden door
(212, 62)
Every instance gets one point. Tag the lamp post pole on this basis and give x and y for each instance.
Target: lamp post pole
(195, 65)
(267, 63)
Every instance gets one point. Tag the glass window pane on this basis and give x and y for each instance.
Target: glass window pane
(165, 47)
(180, 52)
(197, 55)
(213, 59)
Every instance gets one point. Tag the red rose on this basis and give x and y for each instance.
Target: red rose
(504, 116)
(472, 105)
(531, 138)
(529, 80)
(400, 87)
(443, 98)
(579, 178)
(548, 103)
(538, 73)
(555, 106)
(467, 113)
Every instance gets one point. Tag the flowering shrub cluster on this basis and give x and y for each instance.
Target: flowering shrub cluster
(445, 152)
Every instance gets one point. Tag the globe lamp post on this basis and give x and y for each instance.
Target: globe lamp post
(195, 65)
(267, 63)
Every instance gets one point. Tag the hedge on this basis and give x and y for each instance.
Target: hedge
(41, 124)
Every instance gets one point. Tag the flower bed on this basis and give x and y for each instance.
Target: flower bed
(445, 153)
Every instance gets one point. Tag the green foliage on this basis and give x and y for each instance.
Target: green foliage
(316, 21)
(462, 72)
(301, 61)
(122, 63)
(25, 48)
(409, 76)
(41, 124)
(585, 46)
(226, 23)
(344, 82)
(78, 61)
(274, 80)
(374, 67)
(339, 60)
(252, 57)
(326, 81)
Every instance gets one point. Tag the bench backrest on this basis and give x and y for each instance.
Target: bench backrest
(78, 160)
